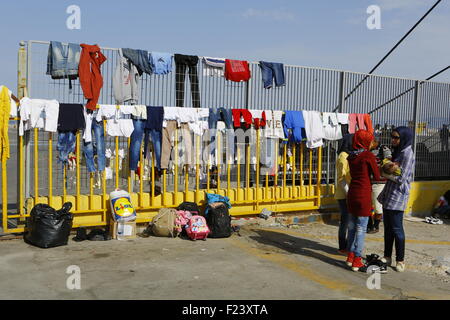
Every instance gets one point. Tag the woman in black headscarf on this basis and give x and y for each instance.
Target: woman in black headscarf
(342, 183)
(395, 194)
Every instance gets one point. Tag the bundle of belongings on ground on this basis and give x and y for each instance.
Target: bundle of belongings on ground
(374, 264)
(47, 227)
(187, 220)
(441, 210)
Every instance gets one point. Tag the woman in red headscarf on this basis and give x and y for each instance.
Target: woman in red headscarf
(363, 165)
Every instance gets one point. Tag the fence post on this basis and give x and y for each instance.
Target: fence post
(21, 91)
(416, 107)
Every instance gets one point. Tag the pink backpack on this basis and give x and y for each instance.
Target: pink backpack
(197, 228)
(182, 219)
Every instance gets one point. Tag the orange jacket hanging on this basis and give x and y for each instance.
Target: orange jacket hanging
(91, 79)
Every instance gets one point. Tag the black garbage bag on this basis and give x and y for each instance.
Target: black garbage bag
(47, 227)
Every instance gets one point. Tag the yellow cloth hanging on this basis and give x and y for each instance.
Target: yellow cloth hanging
(5, 109)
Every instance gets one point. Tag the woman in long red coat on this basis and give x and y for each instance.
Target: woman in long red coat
(363, 165)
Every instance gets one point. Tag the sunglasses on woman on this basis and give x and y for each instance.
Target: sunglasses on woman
(395, 137)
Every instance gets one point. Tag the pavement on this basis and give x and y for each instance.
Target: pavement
(265, 260)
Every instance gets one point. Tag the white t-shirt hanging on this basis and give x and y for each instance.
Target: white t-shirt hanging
(38, 113)
(274, 125)
(331, 127)
(313, 128)
(214, 67)
(342, 118)
(170, 113)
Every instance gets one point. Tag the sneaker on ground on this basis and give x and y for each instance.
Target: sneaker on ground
(400, 266)
(343, 252)
(350, 258)
(357, 264)
(386, 260)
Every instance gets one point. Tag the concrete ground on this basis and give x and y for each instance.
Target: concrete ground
(263, 262)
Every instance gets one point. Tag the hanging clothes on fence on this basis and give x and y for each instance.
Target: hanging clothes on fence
(126, 81)
(361, 121)
(38, 113)
(244, 114)
(271, 71)
(5, 110)
(313, 128)
(189, 63)
(274, 125)
(294, 126)
(221, 121)
(237, 70)
(89, 70)
(343, 121)
(153, 130)
(270, 136)
(118, 119)
(161, 62)
(94, 146)
(70, 120)
(63, 61)
(139, 58)
(71, 117)
(13, 113)
(213, 67)
(331, 127)
(139, 118)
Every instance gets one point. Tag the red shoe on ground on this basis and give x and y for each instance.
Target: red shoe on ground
(343, 252)
(350, 258)
(357, 263)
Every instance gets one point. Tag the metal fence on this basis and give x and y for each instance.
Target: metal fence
(424, 106)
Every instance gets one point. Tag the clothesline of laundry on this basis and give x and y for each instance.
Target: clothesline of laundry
(121, 120)
(84, 61)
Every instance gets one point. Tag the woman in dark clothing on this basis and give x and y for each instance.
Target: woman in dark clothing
(395, 194)
(363, 165)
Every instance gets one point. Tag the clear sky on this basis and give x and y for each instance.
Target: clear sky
(323, 33)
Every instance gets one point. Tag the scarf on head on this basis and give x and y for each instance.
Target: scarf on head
(406, 139)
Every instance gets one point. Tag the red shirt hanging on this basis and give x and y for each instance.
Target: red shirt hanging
(237, 70)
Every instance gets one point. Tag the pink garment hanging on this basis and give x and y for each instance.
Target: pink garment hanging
(360, 120)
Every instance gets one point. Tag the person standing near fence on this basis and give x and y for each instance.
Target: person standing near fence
(395, 194)
(380, 152)
(444, 135)
(342, 185)
(362, 165)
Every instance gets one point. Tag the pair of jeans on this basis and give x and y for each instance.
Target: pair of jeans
(271, 70)
(99, 148)
(393, 232)
(63, 60)
(220, 114)
(136, 142)
(66, 144)
(183, 63)
(357, 227)
(343, 224)
(156, 137)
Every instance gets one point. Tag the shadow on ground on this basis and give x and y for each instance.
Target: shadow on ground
(294, 245)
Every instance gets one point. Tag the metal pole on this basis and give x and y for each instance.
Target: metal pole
(27, 92)
(341, 91)
(416, 106)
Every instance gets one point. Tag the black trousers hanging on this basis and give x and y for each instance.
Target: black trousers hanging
(183, 62)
